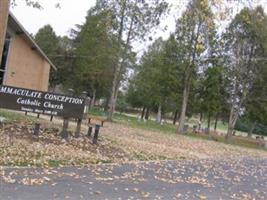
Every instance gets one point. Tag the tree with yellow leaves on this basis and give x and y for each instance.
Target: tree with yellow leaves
(245, 47)
(194, 33)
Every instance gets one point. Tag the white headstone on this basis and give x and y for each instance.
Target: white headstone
(2, 119)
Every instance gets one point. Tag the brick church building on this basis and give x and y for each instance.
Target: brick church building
(23, 63)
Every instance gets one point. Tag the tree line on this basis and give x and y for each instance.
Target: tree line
(199, 70)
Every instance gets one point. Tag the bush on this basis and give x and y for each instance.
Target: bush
(245, 126)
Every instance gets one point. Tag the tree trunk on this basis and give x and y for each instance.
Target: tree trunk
(175, 117)
(200, 121)
(4, 11)
(92, 103)
(143, 112)
(106, 106)
(112, 102)
(147, 113)
(231, 124)
(183, 110)
(252, 129)
(208, 124)
(188, 74)
(216, 122)
(159, 114)
(234, 113)
(201, 117)
(113, 107)
(120, 65)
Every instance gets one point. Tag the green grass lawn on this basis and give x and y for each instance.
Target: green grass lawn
(134, 122)
(169, 128)
(150, 125)
(14, 116)
(220, 125)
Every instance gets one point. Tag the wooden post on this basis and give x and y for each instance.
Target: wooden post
(79, 121)
(84, 95)
(64, 133)
(36, 129)
(90, 130)
(97, 128)
(78, 128)
(4, 12)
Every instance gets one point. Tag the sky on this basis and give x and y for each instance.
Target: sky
(64, 18)
(73, 12)
(61, 19)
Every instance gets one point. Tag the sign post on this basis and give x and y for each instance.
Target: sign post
(36, 129)
(64, 133)
(95, 138)
(79, 122)
(90, 130)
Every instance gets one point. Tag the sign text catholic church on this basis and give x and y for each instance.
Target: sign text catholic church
(41, 102)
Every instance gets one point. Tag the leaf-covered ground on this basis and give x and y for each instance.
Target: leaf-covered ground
(118, 144)
(175, 167)
(18, 147)
(155, 144)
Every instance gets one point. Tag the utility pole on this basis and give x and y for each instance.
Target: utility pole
(4, 11)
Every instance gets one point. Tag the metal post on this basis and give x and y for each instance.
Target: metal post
(97, 128)
(38, 116)
(51, 118)
(36, 131)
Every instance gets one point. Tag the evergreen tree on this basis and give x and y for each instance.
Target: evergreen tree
(47, 39)
(96, 52)
(256, 103)
(212, 94)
